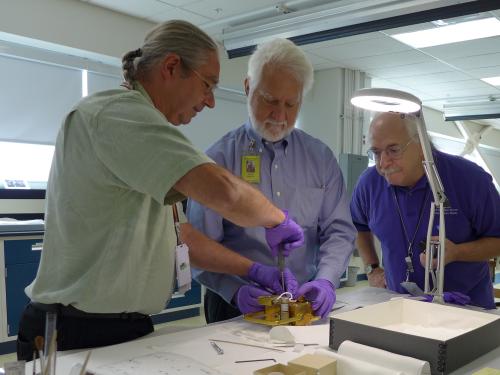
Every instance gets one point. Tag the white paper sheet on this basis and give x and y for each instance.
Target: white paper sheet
(157, 364)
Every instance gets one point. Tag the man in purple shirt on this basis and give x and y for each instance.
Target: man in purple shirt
(291, 168)
(392, 201)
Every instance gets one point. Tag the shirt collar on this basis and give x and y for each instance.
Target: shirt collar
(138, 87)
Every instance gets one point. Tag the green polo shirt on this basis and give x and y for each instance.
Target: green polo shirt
(109, 234)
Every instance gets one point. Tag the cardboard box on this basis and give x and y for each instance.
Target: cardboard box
(447, 337)
(284, 369)
(315, 364)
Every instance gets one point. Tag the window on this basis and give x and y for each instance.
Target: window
(35, 97)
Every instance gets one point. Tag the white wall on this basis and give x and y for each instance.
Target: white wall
(321, 108)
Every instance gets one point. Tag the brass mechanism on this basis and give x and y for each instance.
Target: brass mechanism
(281, 310)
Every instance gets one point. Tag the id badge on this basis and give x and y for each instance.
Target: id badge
(250, 168)
(182, 268)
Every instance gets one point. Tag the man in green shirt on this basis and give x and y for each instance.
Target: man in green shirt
(119, 166)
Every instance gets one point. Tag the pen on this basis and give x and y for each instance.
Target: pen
(217, 348)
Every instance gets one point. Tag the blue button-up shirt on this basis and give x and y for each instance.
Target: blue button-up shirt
(474, 212)
(299, 173)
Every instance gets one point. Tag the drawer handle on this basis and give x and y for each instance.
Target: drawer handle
(38, 246)
(178, 295)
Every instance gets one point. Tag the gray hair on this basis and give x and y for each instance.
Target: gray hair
(285, 54)
(175, 36)
(410, 123)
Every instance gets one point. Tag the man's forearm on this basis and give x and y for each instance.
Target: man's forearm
(366, 247)
(209, 255)
(230, 196)
(482, 249)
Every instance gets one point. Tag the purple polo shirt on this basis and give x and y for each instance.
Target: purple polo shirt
(474, 212)
(299, 173)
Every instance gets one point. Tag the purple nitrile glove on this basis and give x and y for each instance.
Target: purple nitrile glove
(270, 278)
(288, 233)
(321, 294)
(246, 298)
(456, 298)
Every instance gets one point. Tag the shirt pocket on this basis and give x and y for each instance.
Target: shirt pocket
(305, 205)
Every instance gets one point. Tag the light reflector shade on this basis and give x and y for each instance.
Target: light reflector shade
(386, 100)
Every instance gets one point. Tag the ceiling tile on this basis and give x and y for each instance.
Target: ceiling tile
(372, 47)
(178, 3)
(340, 41)
(329, 65)
(412, 70)
(388, 60)
(467, 92)
(177, 13)
(386, 83)
(430, 79)
(138, 8)
(315, 59)
(491, 71)
(478, 61)
(218, 9)
(471, 84)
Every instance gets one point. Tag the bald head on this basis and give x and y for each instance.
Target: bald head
(394, 141)
(395, 122)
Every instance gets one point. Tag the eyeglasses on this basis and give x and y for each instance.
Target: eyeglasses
(393, 152)
(209, 86)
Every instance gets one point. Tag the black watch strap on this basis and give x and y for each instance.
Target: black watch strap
(371, 267)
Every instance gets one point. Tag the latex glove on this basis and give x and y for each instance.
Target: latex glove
(321, 294)
(270, 278)
(288, 233)
(246, 298)
(456, 298)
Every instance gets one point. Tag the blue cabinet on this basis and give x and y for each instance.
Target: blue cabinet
(21, 258)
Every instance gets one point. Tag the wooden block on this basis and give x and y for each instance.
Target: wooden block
(279, 369)
(315, 364)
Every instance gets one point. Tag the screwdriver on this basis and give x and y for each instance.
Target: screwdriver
(281, 266)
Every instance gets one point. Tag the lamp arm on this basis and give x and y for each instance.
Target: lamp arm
(440, 201)
(428, 162)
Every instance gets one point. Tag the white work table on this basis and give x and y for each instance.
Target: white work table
(173, 351)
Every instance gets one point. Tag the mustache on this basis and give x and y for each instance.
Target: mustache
(389, 171)
(277, 123)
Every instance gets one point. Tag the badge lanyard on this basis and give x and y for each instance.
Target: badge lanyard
(182, 266)
(250, 164)
(409, 256)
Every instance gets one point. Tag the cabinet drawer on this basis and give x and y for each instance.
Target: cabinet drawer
(22, 251)
(192, 297)
(19, 276)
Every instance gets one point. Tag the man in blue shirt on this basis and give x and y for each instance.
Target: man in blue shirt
(392, 201)
(291, 168)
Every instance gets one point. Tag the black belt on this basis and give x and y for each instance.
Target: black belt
(71, 311)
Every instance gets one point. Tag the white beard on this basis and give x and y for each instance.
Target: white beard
(263, 129)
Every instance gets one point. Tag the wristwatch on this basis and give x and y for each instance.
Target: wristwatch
(369, 268)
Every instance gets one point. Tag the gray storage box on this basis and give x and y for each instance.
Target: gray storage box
(447, 337)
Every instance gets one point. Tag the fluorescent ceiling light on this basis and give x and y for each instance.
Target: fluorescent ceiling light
(487, 109)
(495, 81)
(460, 32)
